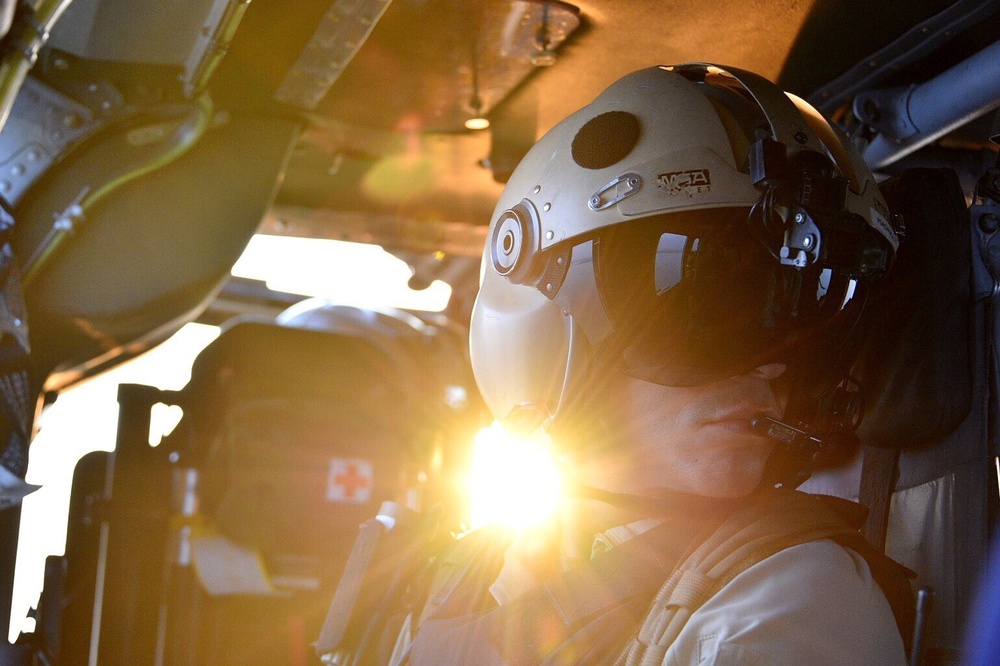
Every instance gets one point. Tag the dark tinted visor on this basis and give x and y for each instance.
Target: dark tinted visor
(696, 297)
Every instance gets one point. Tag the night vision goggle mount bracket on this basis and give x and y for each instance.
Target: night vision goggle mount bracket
(818, 228)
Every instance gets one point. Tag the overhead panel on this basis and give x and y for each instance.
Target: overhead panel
(515, 38)
(469, 58)
(493, 53)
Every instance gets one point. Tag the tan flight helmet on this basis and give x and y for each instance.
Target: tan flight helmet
(691, 223)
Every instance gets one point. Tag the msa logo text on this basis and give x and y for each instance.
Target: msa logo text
(691, 182)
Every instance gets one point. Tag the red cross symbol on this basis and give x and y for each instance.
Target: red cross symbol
(350, 480)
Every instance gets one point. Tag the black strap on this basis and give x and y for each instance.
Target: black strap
(879, 470)
(894, 580)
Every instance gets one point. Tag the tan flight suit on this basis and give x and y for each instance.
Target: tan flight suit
(769, 582)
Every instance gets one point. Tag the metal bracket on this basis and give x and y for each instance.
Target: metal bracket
(631, 180)
(42, 125)
(886, 111)
(802, 241)
(986, 261)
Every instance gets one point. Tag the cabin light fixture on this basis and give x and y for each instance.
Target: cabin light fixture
(509, 41)
(477, 123)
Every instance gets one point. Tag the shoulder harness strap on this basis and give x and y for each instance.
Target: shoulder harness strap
(583, 615)
(778, 520)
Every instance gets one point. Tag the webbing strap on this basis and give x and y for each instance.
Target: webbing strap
(635, 568)
(338, 618)
(879, 470)
(585, 614)
(612, 590)
(685, 588)
(16, 408)
(773, 522)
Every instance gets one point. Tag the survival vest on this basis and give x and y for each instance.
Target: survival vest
(627, 605)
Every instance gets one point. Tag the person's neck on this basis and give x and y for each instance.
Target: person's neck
(594, 511)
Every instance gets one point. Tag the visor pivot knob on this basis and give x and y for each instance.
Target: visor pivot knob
(508, 244)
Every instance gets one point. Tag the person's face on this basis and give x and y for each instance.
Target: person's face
(693, 439)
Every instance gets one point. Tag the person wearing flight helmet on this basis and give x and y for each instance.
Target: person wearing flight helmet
(674, 285)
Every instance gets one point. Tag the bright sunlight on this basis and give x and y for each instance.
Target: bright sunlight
(515, 482)
(345, 273)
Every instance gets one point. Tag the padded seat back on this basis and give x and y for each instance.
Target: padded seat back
(924, 372)
(299, 435)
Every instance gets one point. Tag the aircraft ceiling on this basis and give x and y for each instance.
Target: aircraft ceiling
(387, 139)
(356, 111)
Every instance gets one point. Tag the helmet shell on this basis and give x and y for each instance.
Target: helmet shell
(658, 141)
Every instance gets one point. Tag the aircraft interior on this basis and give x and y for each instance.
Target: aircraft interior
(144, 144)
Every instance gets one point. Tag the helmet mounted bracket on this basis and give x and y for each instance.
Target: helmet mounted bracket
(809, 198)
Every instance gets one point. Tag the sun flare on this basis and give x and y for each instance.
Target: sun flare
(515, 482)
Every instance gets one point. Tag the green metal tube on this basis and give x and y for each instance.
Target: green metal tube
(181, 141)
(16, 64)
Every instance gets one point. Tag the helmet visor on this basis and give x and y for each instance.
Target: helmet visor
(697, 297)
